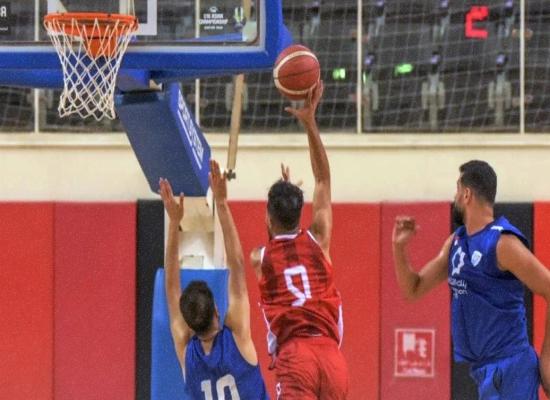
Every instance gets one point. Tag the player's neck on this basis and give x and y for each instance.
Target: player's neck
(207, 340)
(478, 218)
(281, 232)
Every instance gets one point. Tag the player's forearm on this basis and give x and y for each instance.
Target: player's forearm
(172, 275)
(407, 279)
(317, 153)
(232, 243)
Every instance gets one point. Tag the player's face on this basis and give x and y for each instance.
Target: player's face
(458, 204)
(268, 225)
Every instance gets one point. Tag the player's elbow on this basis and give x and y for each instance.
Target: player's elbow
(411, 297)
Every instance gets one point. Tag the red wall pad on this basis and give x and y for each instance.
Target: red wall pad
(542, 251)
(415, 345)
(355, 254)
(26, 301)
(95, 301)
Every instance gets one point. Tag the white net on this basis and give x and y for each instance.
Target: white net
(90, 50)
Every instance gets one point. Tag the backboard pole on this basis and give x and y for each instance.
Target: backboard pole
(36, 92)
(236, 112)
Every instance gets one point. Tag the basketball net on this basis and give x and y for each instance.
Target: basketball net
(90, 47)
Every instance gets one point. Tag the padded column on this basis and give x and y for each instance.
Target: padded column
(26, 301)
(95, 289)
(150, 256)
(542, 251)
(166, 375)
(415, 345)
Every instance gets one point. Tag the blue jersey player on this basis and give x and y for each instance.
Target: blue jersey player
(485, 262)
(218, 359)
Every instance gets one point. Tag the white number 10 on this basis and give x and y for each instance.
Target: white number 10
(227, 381)
(301, 297)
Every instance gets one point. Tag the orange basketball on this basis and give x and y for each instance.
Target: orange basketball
(296, 72)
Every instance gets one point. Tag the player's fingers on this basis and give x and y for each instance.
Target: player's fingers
(214, 167)
(319, 89)
(310, 96)
(181, 200)
(292, 111)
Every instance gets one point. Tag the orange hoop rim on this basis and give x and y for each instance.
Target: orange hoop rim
(89, 19)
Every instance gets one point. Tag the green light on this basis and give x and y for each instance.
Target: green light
(403, 69)
(339, 74)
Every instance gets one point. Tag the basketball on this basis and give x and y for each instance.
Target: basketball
(296, 72)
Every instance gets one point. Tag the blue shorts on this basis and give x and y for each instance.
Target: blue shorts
(513, 378)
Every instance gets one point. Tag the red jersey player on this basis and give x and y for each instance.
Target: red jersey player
(299, 300)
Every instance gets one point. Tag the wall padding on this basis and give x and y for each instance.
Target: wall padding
(95, 300)
(26, 301)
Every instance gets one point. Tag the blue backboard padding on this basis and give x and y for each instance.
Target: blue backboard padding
(213, 57)
(166, 375)
(166, 139)
(31, 78)
(129, 80)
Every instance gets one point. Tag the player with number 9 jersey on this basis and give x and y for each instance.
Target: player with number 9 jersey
(298, 295)
(299, 300)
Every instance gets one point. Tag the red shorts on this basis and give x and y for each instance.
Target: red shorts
(311, 369)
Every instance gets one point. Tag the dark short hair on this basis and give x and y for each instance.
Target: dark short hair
(284, 204)
(197, 306)
(481, 178)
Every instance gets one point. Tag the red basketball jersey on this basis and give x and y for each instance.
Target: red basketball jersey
(298, 295)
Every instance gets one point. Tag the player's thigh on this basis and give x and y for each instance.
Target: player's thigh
(296, 373)
(520, 378)
(486, 379)
(514, 378)
(335, 376)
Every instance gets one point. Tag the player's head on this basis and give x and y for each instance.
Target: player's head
(198, 308)
(477, 184)
(284, 207)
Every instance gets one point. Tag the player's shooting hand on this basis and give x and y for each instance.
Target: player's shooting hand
(306, 114)
(218, 181)
(403, 230)
(173, 208)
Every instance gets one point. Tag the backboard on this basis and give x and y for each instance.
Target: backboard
(176, 38)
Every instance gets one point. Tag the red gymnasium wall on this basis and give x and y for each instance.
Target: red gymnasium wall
(415, 337)
(26, 301)
(68, 299)
(542, 251)
(94, 297)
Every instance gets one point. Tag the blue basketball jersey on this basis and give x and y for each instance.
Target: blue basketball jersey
(222, 374)
(488, 311)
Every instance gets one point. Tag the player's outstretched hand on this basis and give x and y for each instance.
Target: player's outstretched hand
(306, 114)
(285, 175)
(173, 208)
(218, 181)
(285, 172)
(403, 230)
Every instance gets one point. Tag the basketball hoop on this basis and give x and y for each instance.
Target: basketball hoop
(90, 47)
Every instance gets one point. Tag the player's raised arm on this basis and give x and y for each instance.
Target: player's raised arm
(238, 314)
(514, 257)
(414, 284)
(322, 212)
(179, 328)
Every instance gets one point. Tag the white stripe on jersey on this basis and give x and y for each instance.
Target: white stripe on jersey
(271, 338)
